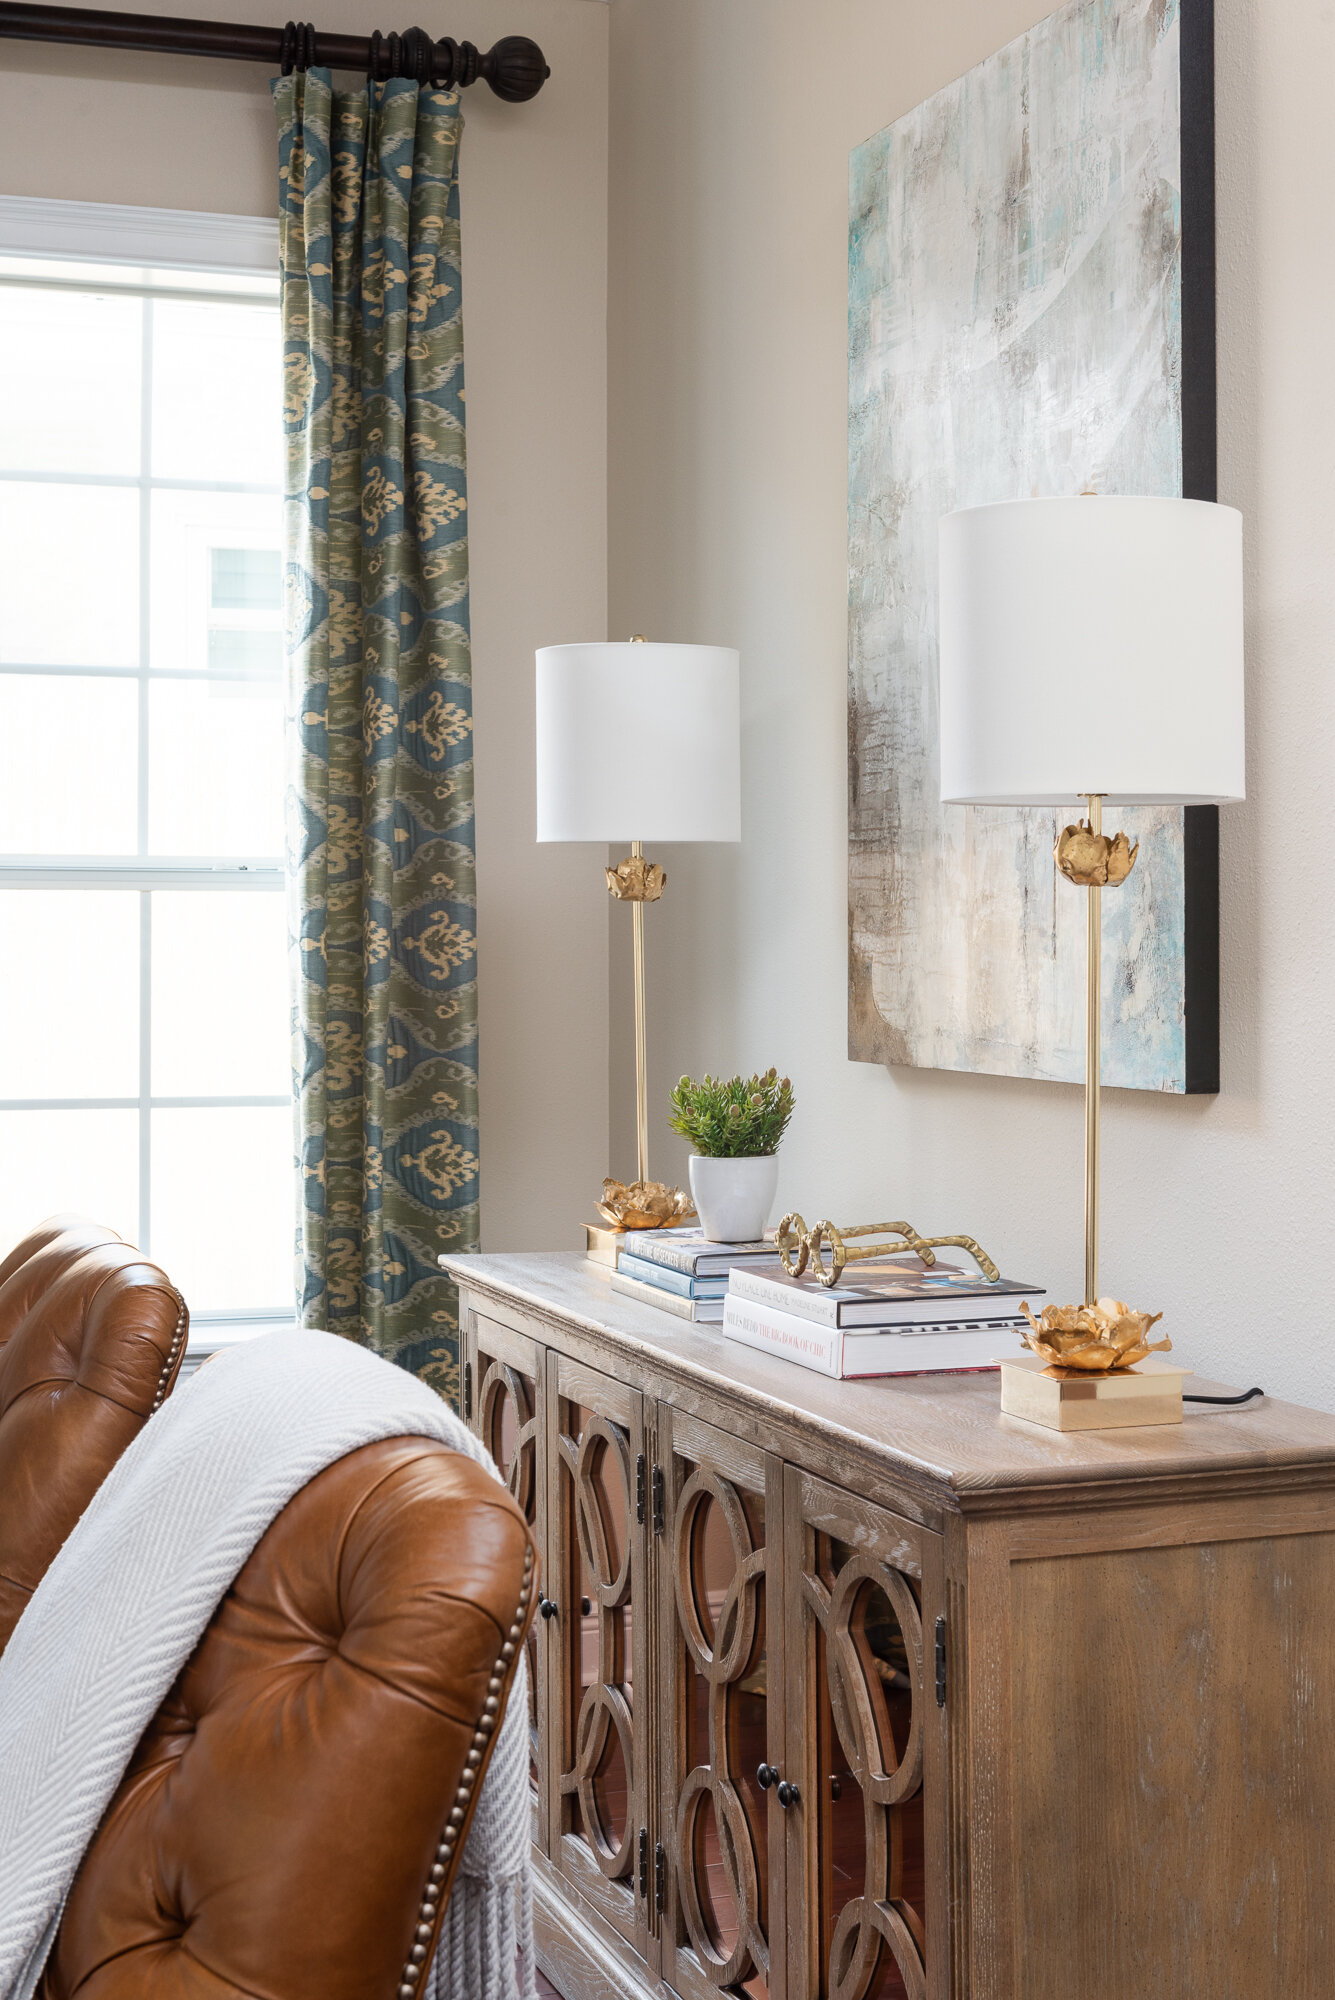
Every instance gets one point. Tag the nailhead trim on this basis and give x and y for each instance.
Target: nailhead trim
(427, 1911)
(164, 1379)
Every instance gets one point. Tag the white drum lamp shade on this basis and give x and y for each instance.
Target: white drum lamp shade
(1091, 645)
(638, 741)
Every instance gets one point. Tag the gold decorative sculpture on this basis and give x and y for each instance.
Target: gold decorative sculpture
(1093, 1339)
(645, 1205)
(800, 1247)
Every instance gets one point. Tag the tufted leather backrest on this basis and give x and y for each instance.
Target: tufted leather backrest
(91, 1338)
(278, 1829)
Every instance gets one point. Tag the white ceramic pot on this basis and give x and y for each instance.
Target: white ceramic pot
(734, 1197)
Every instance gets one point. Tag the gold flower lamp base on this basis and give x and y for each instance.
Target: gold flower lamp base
(645, 1205)
(1071, 1399)
(628, 1206)
(1092, 1368)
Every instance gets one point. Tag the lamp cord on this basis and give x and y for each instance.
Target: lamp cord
(1245, 1397)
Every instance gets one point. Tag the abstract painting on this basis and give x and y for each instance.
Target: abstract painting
(1031, 312)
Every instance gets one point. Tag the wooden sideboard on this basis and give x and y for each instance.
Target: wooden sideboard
(865, 1690)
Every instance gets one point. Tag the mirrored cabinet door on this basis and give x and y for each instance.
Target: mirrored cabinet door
(506, 1391)
(597, 1626)
(865, 1765)
(721, 1700)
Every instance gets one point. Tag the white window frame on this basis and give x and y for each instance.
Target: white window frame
(239, 245)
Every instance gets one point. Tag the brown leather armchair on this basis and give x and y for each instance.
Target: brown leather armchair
(291, 1823)
(91, 1339)
(282, 1830)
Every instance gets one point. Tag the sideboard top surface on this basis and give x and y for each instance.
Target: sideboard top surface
(946, 1428)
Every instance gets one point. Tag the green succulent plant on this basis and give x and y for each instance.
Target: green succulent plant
(736, 1119)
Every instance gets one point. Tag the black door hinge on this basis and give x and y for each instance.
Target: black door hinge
(940, 1662)
(644, 1858)
(639, 1488)
(658, 1499)
(468, 1391)
(660, 1877)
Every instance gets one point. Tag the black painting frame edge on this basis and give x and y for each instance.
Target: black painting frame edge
(1200, 481)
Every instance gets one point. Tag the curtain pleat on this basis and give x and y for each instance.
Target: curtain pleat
(380, 800)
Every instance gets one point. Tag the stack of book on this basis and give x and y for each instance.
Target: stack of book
(681, 1272)
(899, 1318)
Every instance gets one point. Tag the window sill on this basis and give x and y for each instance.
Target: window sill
(215, 1336)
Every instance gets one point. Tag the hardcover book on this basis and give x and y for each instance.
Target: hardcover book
(668, 1280)
(691, 1251)
(830, 1350)
(889, 1292)
(707, 1311)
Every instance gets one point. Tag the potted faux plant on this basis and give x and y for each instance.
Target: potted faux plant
(734, 1129)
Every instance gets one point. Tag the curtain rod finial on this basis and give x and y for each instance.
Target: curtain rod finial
(515, 68)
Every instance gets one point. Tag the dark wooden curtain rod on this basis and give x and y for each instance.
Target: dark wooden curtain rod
(515, 68)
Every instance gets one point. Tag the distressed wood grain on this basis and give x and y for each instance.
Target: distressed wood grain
(1173, 1771)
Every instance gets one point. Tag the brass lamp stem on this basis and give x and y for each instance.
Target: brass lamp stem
(1093, 968)
(641, 1038)
(1086, 856)
(637, 882)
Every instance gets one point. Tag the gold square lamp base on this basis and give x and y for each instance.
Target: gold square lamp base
(1068, 1400)
(602, 1243)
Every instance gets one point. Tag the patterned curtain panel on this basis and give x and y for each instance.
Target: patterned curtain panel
(380, 804)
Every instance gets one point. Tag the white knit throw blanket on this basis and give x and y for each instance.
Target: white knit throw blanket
(125, 1602)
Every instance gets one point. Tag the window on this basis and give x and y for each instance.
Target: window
(144, 1066)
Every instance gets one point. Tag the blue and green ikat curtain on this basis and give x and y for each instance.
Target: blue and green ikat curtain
(380, 798)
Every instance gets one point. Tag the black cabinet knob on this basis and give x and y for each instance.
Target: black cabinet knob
(547, 1607)
(766, 1776)
(788, 1795)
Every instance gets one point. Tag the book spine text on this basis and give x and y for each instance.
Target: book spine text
(821, 1308)
(810, 1345)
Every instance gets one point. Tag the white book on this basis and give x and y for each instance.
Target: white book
(708, 1312)
(850, 1355)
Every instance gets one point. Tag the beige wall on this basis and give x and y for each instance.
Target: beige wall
(732, 121)
(82, 124)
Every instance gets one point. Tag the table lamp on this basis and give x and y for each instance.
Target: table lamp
(1091, 650)
(639, 742)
